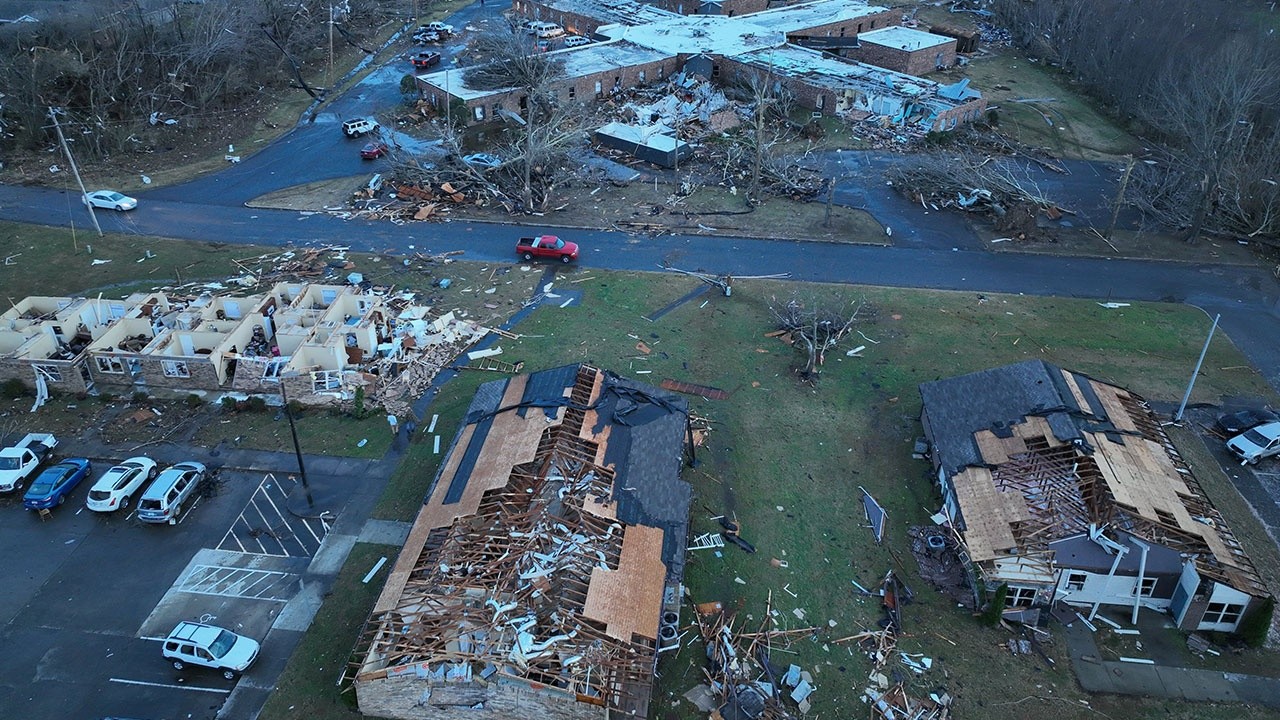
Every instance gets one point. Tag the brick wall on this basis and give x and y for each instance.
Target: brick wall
(69, 379)
(919, 62)
(583, 89)
(407, 698)
(200, 373)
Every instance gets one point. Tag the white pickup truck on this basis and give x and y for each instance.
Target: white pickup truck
(18, 462)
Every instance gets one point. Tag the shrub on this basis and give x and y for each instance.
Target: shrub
(256, 404)
(13, 388)
(1253, 629)
(194, 401)
(139, 398)
(995, 608)
(228, 403)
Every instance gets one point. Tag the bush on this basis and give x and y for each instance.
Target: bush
(256, 404)
(194, 401)
(358, 409)
(139, 398)
(991, 616)
(296, 408)
(13, 388)
(1253, 629)
(229, 403)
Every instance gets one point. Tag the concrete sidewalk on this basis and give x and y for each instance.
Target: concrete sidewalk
(1121, 678)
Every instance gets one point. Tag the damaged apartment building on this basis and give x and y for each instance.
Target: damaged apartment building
(819, 51)
(1068, 490)
(321, 341)
(542, 576)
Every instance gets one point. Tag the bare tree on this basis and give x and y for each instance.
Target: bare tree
(817, 328)
(548, 124)
(1222, 120)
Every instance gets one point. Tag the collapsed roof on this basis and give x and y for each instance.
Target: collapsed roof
(547, 546)
(1034, 453)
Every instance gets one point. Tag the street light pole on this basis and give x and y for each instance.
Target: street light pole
(297, 449)
(1182, 408)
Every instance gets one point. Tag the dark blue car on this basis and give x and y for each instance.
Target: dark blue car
(53, 485)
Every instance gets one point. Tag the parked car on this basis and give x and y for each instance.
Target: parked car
(210, 646)
(545, 30)
(437, 26)
(52, 486)
(373, 150)
(483, 160)
(358, 127)
(424, 59)
(1256, 443)
(576, 41)
(119, 483)
(18, 462)
(1235, 423)
(164, 497)
(110, 199)
(546, 246)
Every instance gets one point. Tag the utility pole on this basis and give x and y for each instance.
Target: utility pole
(84, 194)
(328, 82)
(1187, 396)
(1124, 183)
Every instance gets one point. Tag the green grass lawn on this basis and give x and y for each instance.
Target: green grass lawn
(308, 688)
(787, 459)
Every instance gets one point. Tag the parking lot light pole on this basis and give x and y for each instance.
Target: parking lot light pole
(293, 431)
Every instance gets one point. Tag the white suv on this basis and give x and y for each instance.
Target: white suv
(117, 485)
(361, 126)
(210, 646)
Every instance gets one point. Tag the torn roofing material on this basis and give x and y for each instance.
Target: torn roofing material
(545, 549)
(1030, 454)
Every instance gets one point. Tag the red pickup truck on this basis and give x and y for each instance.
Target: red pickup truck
(546, 246)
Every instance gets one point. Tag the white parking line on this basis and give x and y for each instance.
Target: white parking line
(196, 688)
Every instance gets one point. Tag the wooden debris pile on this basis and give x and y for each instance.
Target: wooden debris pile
(306, 263)
(975, 183)
(429, 346)
(893, 671)
(743, 678)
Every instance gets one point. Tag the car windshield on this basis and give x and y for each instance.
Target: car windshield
(9, 463)
(1256, 438)
(113, 196)
(559, 244)
(222, 645)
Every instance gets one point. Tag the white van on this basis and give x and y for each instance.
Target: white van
(162, 502)
(545, 30)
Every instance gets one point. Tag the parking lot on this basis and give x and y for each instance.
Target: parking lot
(89, 597)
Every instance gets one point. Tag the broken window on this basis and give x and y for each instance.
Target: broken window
(1076, 580)
(640, 75)
(322, 380)
(1226, 613)
(110, 365)
(599, 89)
(175, 369)
(479, 112)
(572, 92)
(274, 367)
(51, 373)
(1019, 596)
